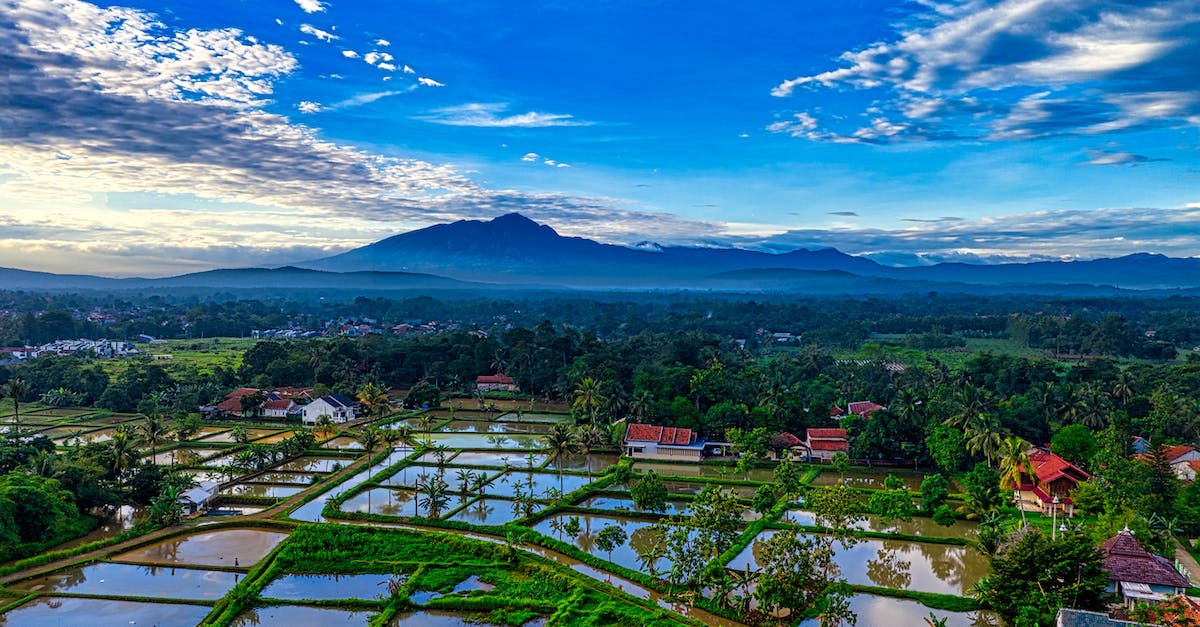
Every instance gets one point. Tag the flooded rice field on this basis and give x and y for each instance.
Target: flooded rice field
(134, 580)
(215, 548)
(327, 587)
(59, 611)
(300, 615)
(489, 511)
(899, 564)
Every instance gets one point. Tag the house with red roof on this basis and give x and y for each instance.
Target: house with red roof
(1184, 460)
(823, 444)
(498, 382)
(669, 443)
(1056, 479)
(857, 408)
(1137, 575)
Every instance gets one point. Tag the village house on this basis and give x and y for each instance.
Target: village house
(857, 408)
(197, 499)
(1056, 479)
(1138, 576)
(669, 443)
(339, 407)
(823, 444)
(498, 382)
(1184, 460)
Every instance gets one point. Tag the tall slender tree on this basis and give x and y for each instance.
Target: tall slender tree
(15, 389)
(1015, 468)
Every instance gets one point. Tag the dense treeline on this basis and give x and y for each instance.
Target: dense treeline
(1149, 328)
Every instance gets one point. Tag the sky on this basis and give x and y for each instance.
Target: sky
(149, 138)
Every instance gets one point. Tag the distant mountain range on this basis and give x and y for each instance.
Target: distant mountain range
(513, 252)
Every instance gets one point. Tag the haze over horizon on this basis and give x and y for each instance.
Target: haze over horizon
(150, 138)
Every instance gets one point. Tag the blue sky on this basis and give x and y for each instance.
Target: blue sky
(156, 138)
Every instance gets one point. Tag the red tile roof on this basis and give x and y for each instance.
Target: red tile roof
(282, 403)
(785, 440)
(1172, 453)
(494, 378)
(1126, 560)
(662, 435)
(1050, 467)
(828, 440)
(864, 408)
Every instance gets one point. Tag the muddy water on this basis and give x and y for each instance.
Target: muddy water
(134, 580)
(314, 464)
(537, 482)
(300, 615)
(311, 511)
(918, 526)
(327, 587)
(216, 548)
(536, 417)
(59, 611)
(121, 519)
(938, 568)
(876, 610)
(263, 489)
(95, 435)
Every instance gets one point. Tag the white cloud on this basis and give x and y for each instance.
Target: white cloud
(531, 157)
(308, 106)
(491, 115)
(309, 29)
(386, 67)
(382, 43)
(311, 6)
(429, 82)
(1019, 69)
(110, 103)
(376, 56)
(350, 54)
(279, 21)
(408, 70)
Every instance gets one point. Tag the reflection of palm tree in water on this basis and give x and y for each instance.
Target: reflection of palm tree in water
(648, 543)
(481, 510)
(947, 562)
(888, 570)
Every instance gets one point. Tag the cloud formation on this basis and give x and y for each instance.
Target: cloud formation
(429, 82)
(492, 115)
(109, 102)
(1015, 70)
(311, 6)
(309, 29)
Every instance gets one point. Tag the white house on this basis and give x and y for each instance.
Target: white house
(339, 407)
(280, 408)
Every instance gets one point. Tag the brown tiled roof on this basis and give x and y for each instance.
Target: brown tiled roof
(662, 435)
(644, 433)
(828, 440)
(785, 440)
(1126, 560)
(864, 408)
(1172, 453)
(494, 378)
(1050, 467)
(282, 403)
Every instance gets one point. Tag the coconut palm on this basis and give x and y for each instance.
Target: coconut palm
(155, 429)
(590, 437)
(1015, 467)
(970, 404)
(123, 448)
(588, 398)
(432, 495)
(983, 437)
(375, 398)
(369, 438)
(561, 441)
(325, 426)
(15, 389)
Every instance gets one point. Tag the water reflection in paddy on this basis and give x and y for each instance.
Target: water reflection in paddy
(344, 442)
(484, 426)
(59, 611)
(876, 610)
(596, 463)
(487, 441)
(918, 526)
(674, 506)
(300, 615)
(315, 464)
(480, 458)
(899, 564)
(705, 470)
(488, 511)
(120, 519)
(536, 482)
(327, 587)
(430, 618)
(385, 501)
(216, 548)
(640, 533)
(134, 580)
(263, 490)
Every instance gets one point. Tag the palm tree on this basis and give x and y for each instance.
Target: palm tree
(641, 404)
(404, 435)
(970, 403)
(325, 426)
(983, 437)
(1124, 388)
(375, 398)
(15, 389)
(124, 453)
(432, 492)
(590, 437)
(1015, 466)
(588, 398)
(155, 428)
(561, 441)
(369, 438)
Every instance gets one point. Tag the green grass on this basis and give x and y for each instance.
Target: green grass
(203, 355)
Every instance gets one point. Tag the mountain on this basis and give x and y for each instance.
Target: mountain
(286, 278)
(513, 248)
